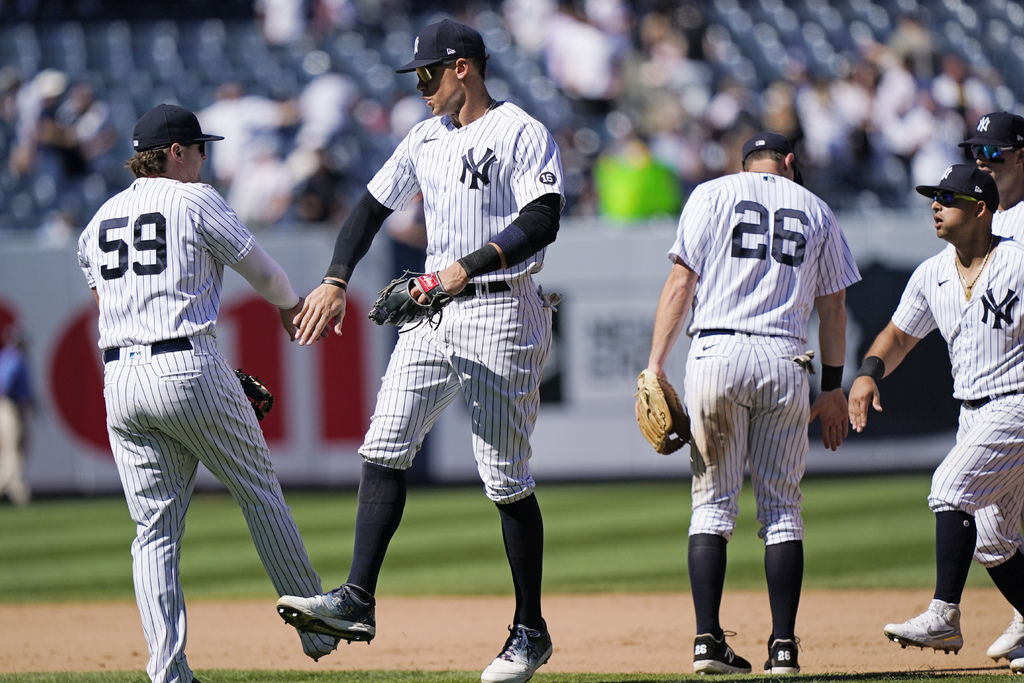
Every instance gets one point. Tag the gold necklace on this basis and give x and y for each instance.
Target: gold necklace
(968, 288)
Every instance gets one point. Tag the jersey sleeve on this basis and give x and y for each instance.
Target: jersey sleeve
(218, 226)
(83, 255)
(395, 184)
(838, 269)
(914, 315)
(694, 233)
(538, 168)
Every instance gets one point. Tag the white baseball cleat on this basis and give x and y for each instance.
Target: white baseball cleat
(937, 628)
(525, 651)
(1011, 640)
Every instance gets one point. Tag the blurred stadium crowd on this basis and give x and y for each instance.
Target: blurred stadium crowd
(646, 98)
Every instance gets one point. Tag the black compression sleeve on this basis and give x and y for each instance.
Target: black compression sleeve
(535, 228)
(356, 234)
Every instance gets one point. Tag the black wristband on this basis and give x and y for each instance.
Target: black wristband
(831, 377)
(336, 283)
(486, 259)
(873, 367)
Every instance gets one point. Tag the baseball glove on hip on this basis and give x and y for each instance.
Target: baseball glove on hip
(395, 305)
(663, 422)
(260, 397)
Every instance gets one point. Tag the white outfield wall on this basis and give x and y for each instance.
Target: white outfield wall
(611, 279)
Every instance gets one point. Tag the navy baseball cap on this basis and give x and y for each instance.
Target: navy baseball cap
(1000, 128)
(442, 41)
(767, 140)
(966, 179)
(165, 124)
(776, 141)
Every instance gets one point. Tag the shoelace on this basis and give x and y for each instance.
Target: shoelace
(520, 641)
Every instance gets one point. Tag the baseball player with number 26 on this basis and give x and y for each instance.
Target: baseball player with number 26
(970, 292)
(491, 180)
(154, 257)
(754, 254)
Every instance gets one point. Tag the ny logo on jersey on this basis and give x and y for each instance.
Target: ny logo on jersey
(478, 170)
(1002, 312)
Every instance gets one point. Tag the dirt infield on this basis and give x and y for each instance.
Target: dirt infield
(610, 633)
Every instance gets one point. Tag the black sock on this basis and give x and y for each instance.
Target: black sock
(522, 529)
(705, 561)
(1009, 579)
(784, 569)
(382, 494)
(955, 536)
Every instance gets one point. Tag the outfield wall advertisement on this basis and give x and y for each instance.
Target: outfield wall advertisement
(610, 278)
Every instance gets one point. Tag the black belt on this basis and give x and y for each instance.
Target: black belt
(474, 288)
(713, 332)
(973, 403)
(156, 348)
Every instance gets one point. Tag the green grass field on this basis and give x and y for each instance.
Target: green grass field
(861, 533)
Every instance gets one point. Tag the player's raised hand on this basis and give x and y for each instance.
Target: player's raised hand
(324, 306)
(863, 393)
(831, 408)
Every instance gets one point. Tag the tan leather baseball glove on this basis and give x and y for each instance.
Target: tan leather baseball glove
(663, 422)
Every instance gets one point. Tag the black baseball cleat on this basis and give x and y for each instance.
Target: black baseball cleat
(782, 657)
(714, 656)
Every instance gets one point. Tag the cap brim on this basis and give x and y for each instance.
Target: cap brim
(417, 63)
(928, 190)
(981, 140)
(207, 138)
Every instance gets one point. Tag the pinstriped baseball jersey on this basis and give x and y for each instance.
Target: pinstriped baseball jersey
(155, 254)
(764, 248)
(1010, 223)
(984, 334)
(474, 179)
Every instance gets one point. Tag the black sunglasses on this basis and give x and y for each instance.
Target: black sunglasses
(427, 73)
(948, 197)
(989, 152)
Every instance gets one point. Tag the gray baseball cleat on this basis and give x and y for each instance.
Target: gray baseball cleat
(937, 628)
(339, 613)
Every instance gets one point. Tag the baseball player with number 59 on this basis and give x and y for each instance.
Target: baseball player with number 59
(755, 253)
(491, 180)
(154, 257)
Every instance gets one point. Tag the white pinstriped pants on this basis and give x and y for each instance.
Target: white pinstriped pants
(748, 405)
(165, 415)
(984, 476)
(491, 349)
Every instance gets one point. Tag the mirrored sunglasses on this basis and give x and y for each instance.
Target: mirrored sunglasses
(202, 147)
(427, 73)
(948, 198)
(989, 152)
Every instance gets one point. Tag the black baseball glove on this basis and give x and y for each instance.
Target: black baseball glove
(260, 397)
(395, 305)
